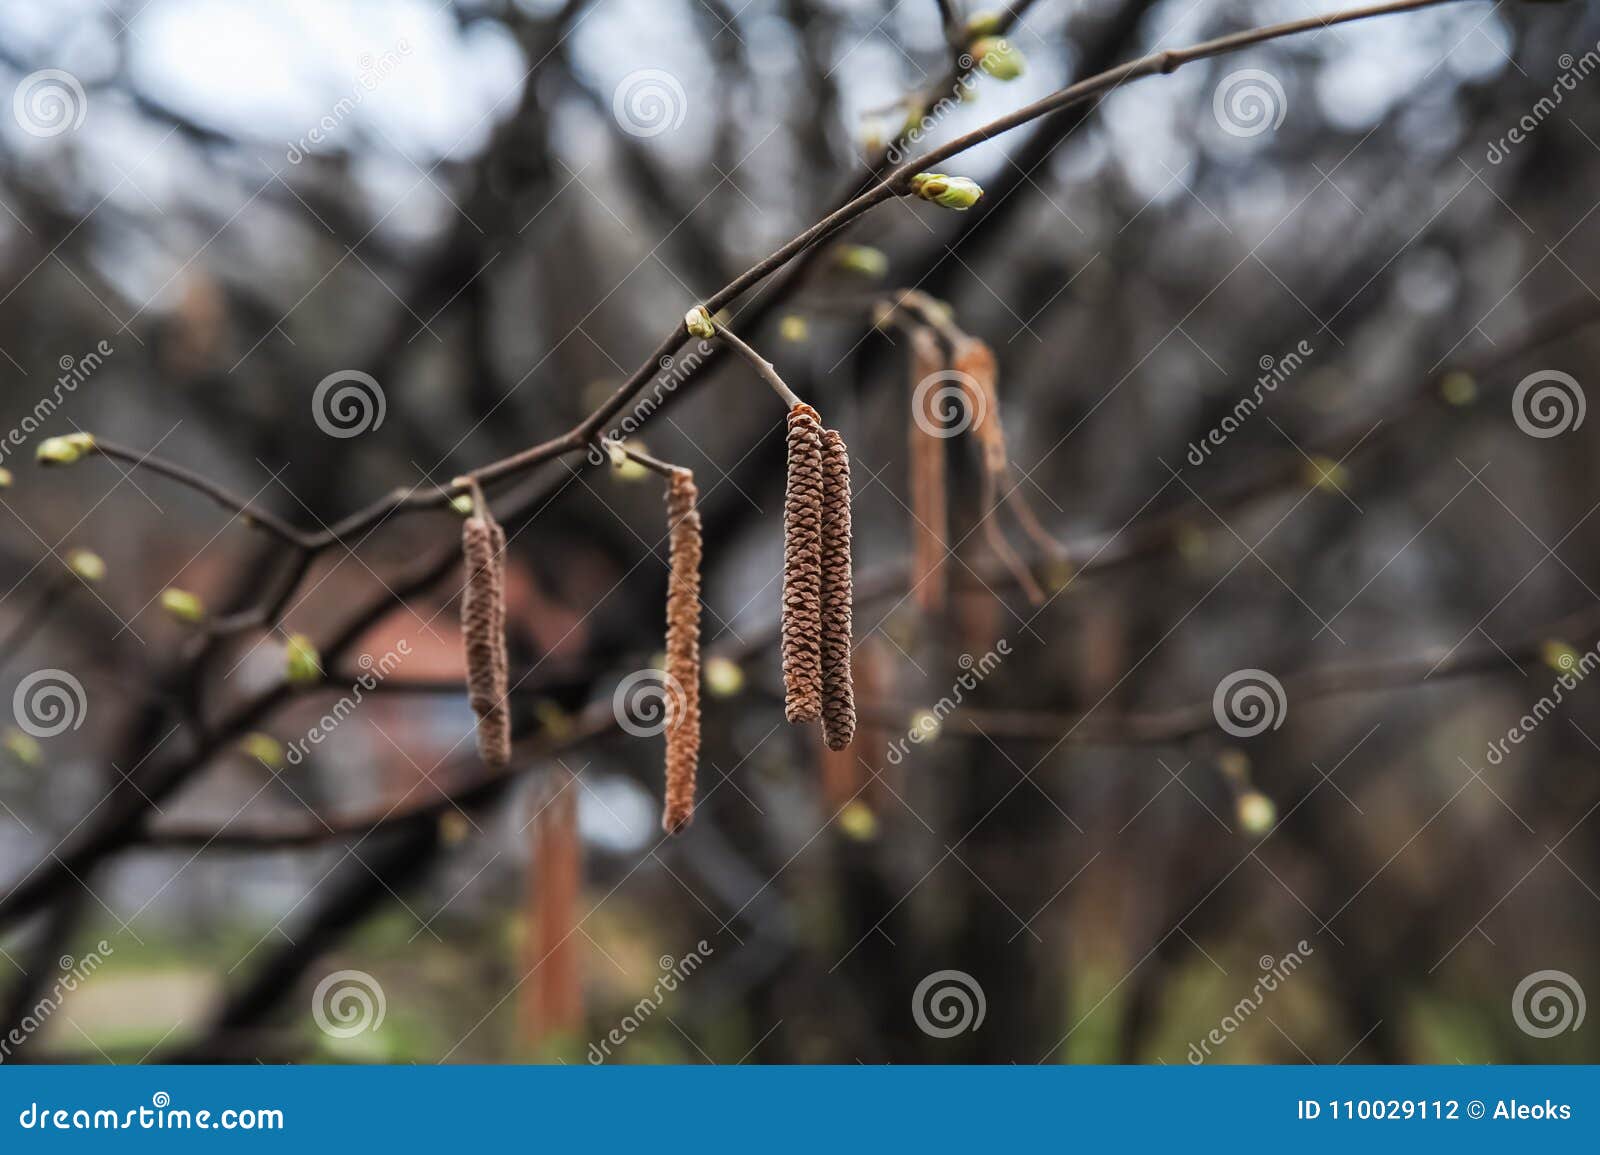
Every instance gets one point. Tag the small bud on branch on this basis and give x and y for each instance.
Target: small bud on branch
(863, 260)
(998, 57)
(68, 450)
(88, 565)
(183, 605)
(953, 192)
(302, 663)
(698, 321)
(984, 23)
(264, 748)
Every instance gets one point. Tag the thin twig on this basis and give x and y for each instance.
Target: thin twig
(764, 368)
(251, 514)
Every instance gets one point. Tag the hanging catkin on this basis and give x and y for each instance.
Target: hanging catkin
(930, 514)
(552, 1007)
(802, 569)
(979, 376)
(980, 381)
(483, 618)
(683, 650)
(838, 690)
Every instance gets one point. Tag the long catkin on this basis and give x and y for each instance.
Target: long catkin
(802, 569)
(483, 624)
(980, 380)
(979, 375)
(683, 650)
(552, 949)
(838, 687)
(930, 514)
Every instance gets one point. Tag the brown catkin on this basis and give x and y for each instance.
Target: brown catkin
(802, 569)
(483, 624)
(980, 381)
(552, 1008)
(979, 375)
(683, 650)
(930, 514)
(838, 687)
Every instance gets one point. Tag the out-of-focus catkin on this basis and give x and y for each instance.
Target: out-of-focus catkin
(683, 650)
(802, 569)
(553, 1007)
(980, 381)
(979, 375)
(483, 624)
(838, 690)
(930, 513)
